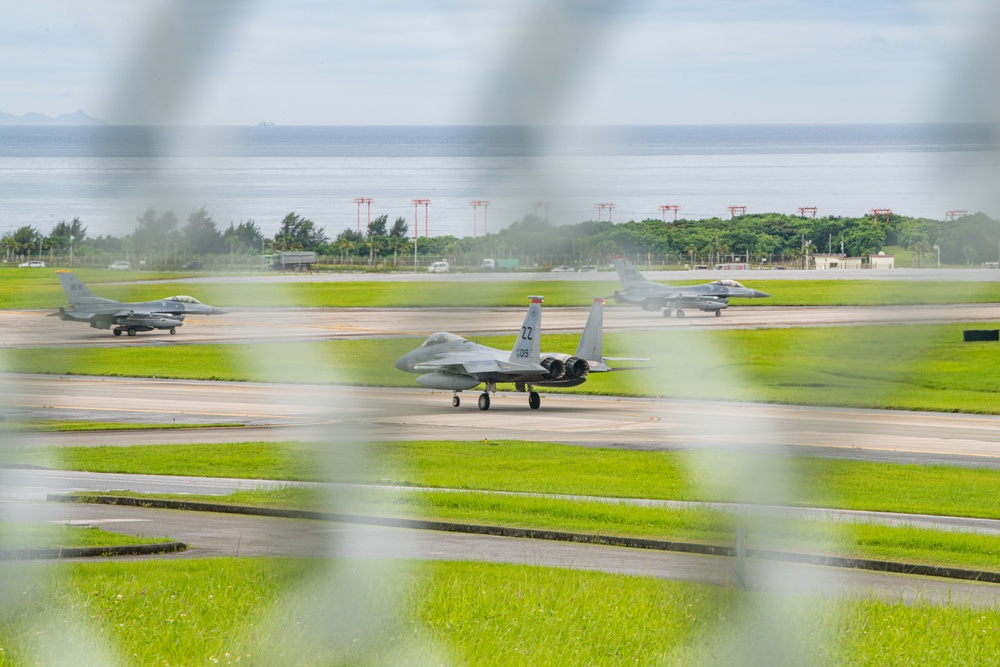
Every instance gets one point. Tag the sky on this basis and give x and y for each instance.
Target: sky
(440, 62)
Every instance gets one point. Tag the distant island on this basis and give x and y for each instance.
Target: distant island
(76, 118)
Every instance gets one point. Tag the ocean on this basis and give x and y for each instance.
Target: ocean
(108, 176)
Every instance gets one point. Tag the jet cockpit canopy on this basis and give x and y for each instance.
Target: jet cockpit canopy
(441, 337)
(728, 283)
(183, 299)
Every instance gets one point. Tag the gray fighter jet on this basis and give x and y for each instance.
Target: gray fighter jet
(713, 296)
(448, 361)
(129, 318)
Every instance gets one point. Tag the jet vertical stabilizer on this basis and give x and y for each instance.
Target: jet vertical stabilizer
(591, 345)
(528, 346)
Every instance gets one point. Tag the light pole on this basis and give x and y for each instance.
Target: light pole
(937, 249)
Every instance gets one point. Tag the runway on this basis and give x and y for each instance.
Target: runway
(278, 412)
(38, 329)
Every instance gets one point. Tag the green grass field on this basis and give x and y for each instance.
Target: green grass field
(21, 535)
(910, 367)
(610, 473)
(528, 467)
(41, 289)
(257, 612)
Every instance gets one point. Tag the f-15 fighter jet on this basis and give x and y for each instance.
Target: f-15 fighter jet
(448, 361)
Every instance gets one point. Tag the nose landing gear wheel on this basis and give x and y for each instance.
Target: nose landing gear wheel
(484, 401)
(534, 400)
(718, 313)
(173, 330)
(456, 401)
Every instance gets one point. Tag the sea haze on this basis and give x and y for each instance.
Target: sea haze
(108, 175)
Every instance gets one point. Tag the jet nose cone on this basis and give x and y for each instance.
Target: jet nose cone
(757, 294)
(403, 364)
(218, 311)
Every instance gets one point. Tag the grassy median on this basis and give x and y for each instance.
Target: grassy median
(258, 611)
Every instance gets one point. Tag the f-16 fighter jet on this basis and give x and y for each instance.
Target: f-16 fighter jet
(713, 296)
(448, 361)
(129, 318)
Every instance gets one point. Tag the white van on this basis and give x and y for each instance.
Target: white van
(438, 267)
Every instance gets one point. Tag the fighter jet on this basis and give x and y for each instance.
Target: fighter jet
(709, 297)
(130, 318)
(448, 361)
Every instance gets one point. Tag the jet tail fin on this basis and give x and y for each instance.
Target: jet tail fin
(591, 345)
(528, 346)
(75, 290)
(628, 274)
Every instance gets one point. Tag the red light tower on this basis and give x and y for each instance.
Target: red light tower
(604, 206)
(737, 209)
(807, 209)
(416, 203)
(669, 207)
(955, 214)
(485, 203)
(880, 212)
(364, 200)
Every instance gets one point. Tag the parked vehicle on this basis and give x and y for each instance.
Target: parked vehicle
(439, 267)
(33, 264)
(564, 268)
(120, 265)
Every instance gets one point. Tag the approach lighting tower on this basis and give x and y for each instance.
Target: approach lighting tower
(669, 207)
(811, 210)
(485, 203)
(601, 206)
(416, 203)
(364, 200)
(879, 213)
(541, 204)
(955, 214)
(738, 209)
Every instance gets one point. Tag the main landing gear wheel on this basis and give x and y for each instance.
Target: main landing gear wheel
(173, 330)
(456, 401)
(484, 401)
(666, 312)
(680, 313)
(118, 332)
(718, 313)
(131, 331)
(534, 400)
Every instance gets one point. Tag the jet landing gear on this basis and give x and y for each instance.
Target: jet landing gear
(534, 400)
(668, 311)
(455, 400)
(718, 313)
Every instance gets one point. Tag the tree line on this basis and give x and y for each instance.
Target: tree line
(162, 241)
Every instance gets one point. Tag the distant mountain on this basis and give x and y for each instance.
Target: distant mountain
(76, 118)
